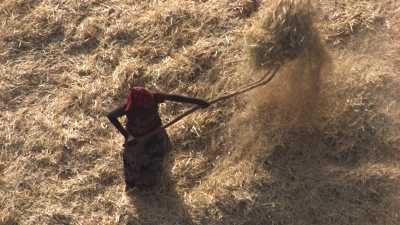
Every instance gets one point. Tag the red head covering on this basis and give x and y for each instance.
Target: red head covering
(139, 97)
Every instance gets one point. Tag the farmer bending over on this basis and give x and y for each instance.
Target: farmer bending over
(144, 158)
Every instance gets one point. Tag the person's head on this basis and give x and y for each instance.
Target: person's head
(139, 98)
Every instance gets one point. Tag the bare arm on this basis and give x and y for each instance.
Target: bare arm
(113, 117)
(160, 97)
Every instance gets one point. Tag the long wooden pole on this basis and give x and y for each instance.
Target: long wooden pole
(263, 81)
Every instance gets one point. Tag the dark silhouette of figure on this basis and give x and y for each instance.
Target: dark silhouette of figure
(143, 155)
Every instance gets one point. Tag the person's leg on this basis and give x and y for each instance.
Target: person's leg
(130, 163)
(156, 150)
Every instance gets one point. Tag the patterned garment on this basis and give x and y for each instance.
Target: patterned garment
(143, 120)
(143, 163)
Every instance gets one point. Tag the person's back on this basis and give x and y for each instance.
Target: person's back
(142, 112)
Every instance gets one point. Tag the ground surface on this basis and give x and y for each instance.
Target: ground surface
(319, 145)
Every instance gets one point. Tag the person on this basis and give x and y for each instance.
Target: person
(143, 154)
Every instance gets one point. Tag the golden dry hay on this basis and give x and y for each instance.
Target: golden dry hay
(89, 28)
(319, 145)
(280, 33)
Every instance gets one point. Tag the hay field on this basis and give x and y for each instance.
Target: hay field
(319, 145)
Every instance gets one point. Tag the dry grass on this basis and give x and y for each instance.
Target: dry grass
(281, 33)
(349, 18)
(317, 146)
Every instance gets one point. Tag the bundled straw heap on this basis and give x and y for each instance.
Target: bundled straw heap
(281, 34)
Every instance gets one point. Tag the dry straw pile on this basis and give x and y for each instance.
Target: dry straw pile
(281, 33)
(64, 64)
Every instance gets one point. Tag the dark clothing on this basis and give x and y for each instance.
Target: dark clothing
(142, 120)
(143, 162)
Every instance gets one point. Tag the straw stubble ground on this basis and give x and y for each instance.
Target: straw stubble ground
(317, 146)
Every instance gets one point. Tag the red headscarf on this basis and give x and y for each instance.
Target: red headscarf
(139, 97)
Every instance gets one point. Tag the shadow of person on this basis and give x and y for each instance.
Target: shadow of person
(159, 205)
